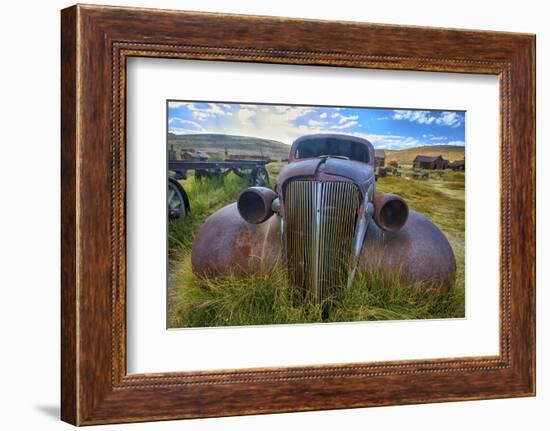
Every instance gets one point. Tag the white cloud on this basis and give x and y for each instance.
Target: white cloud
(203, 113)
(323, 115)
(420, 117)
(342, 118)
(245, 115)
(315, 123)
(291, 113)
(446, 118)
(449, 119)
(400, 142)
(175, 105)
(390, 142)
(393, 141)
(183, 131)
(180, 122)
(217, 110)
(271, 122)
(344, 126)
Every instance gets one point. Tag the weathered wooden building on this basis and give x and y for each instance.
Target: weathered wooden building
(430, 162)
(380, 158)
(458, 165)
(394, 164)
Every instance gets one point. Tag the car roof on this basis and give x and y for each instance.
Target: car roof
(342, 136)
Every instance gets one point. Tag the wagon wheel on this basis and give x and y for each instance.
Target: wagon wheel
(260, 177)
(214, 173)
(177, 201)
(240, 172)
(200, 174)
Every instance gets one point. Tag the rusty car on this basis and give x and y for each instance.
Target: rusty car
(324, 222)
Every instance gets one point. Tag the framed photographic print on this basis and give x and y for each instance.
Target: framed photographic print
(262, 217)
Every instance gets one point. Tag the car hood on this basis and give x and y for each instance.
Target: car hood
(327, 169)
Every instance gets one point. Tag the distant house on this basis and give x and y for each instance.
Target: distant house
(430, 162)
(394, 164)
(458, 165)
(380, 158)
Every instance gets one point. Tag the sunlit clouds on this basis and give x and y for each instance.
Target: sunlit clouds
(385, 128)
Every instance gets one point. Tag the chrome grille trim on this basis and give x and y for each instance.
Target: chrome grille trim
(320, 220)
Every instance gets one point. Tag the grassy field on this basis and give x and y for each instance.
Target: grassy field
(267, 299)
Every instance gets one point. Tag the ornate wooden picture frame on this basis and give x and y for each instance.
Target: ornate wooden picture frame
(96, 42)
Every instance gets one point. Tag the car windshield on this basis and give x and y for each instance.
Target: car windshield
(332, 147)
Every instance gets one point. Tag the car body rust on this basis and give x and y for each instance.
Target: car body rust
(311, 206)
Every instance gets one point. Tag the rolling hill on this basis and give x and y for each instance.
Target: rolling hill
(216, 144)
(406, 157)
(236, 145)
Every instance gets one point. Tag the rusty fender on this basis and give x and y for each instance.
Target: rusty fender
(227, 244)
(418, 252)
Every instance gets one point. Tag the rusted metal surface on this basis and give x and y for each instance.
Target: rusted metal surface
(417, 253)
(227, 244)
(318, 247)
(319, 233)
(328, 169)
(330, 223)
(390, 211)
(255, 204)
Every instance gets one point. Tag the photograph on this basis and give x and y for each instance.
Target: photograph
(301, 214)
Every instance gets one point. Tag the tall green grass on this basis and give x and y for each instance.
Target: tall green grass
(269, 299)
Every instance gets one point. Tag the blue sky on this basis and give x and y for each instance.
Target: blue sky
(385, 128)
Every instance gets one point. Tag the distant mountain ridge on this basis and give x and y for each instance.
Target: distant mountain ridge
(406, 156)
(236, 145)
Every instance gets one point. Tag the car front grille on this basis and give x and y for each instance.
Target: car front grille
(319, 231)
